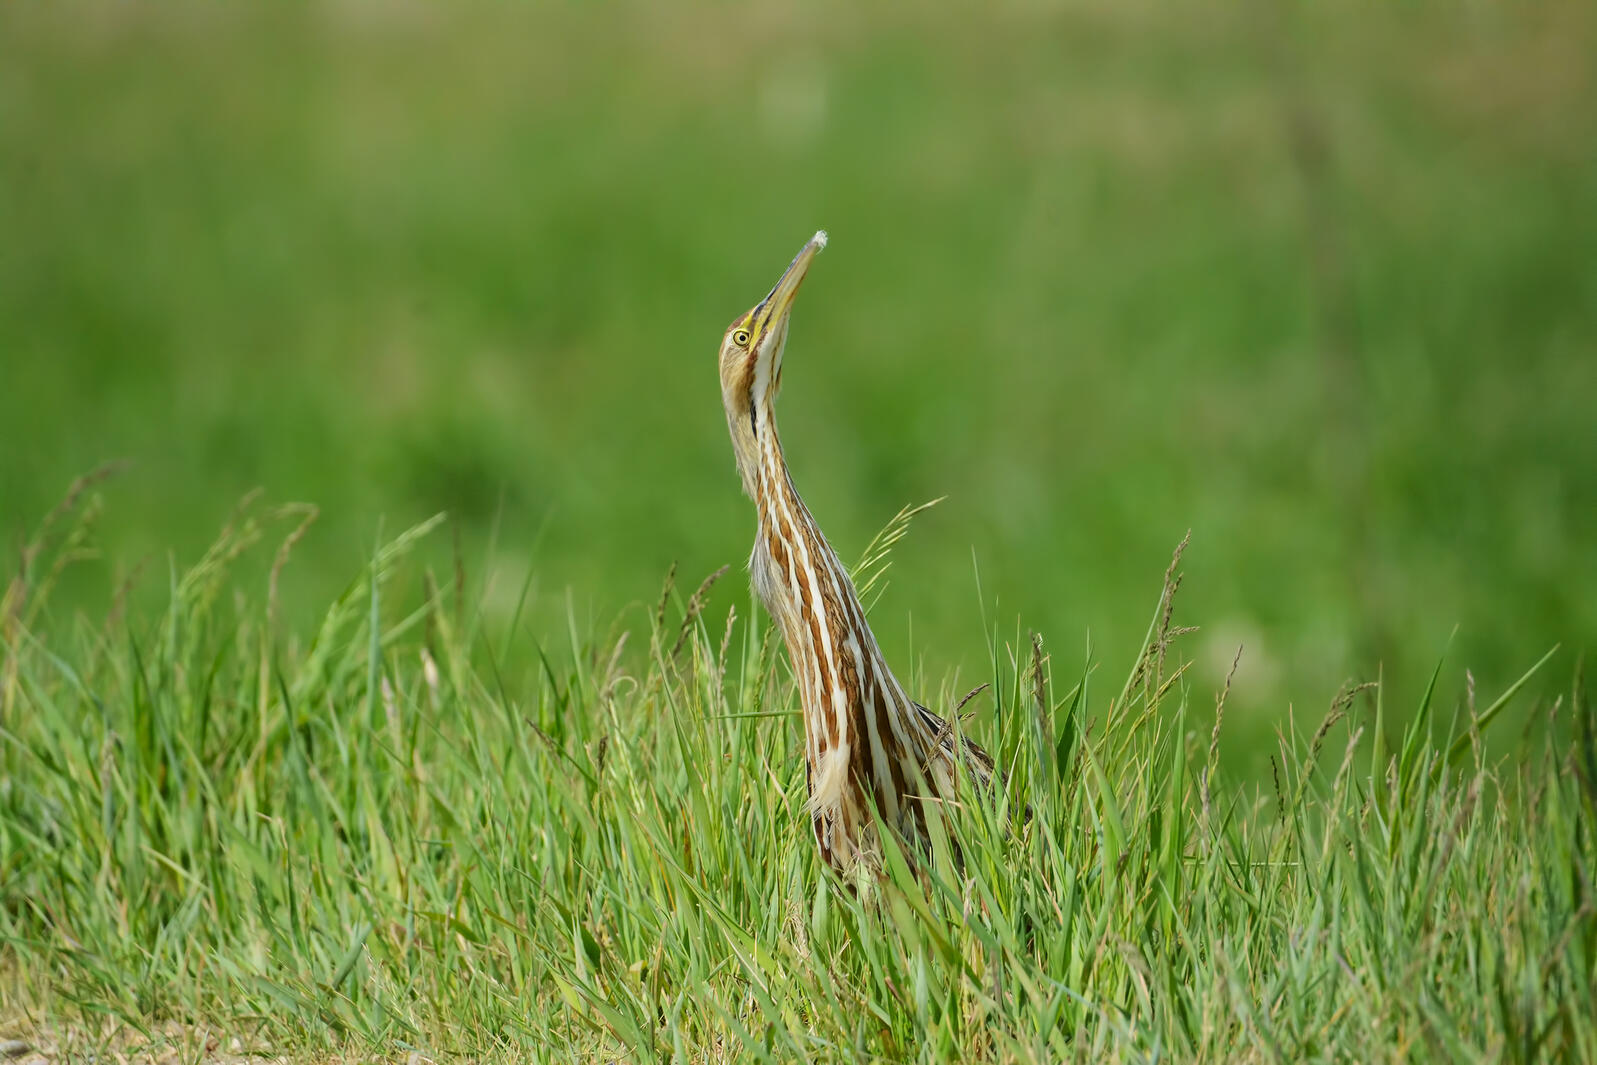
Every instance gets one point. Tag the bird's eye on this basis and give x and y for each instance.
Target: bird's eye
(741, 337)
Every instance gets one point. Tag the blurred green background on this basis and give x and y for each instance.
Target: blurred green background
(1318, 282)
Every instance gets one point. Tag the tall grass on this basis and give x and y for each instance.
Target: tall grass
(409, 834)
(1314, 280)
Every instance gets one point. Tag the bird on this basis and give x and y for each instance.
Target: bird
(869, 748)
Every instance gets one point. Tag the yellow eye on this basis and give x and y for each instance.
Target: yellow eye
(741, 337)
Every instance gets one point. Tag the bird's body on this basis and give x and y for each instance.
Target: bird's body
(866, 742)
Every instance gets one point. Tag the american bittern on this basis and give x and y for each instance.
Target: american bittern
(866, 742)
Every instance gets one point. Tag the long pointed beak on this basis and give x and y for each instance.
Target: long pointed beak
(773, 309)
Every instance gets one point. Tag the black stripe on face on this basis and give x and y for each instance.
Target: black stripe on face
(754, 424)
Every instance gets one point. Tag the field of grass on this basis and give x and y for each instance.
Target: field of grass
(415, 834)
(1314, 283)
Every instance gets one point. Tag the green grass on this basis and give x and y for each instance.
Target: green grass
(408, 829)
(1313, 281)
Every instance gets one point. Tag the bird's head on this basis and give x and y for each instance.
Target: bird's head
(751, 361)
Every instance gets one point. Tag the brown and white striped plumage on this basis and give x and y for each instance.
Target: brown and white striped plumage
(865, 740)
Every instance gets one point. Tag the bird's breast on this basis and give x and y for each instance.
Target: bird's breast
(768, 584)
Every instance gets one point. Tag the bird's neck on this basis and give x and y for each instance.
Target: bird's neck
(808, 592)
(861, 731)
(805, 578)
